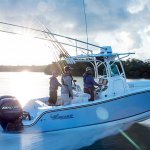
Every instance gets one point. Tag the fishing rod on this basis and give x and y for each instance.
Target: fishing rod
(36, 37)
(58, 47)
(61, 49)
(58, 64)
(37, 30)
(85, 18)
(55, 58)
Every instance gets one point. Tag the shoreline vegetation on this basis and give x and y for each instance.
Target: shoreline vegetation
(134, 68)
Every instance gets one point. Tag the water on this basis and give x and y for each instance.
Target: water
(26, 85)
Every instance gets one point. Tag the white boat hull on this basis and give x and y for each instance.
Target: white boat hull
(76, 138)
(49, 119)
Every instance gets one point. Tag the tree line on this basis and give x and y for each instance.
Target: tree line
(134, 68)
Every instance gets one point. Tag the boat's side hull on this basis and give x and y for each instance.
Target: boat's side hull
(130, 106)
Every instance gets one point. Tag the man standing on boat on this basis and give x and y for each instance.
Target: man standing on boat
(53, 88)
(66, 89)
(89, 83)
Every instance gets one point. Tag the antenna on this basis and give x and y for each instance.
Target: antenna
(85, 22)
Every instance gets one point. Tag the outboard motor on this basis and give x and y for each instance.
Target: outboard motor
(10, 114)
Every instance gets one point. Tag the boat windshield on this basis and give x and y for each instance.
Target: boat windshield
(115, 69)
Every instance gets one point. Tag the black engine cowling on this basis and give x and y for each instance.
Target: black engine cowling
(10, 113)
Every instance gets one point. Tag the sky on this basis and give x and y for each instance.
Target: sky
(122, 24)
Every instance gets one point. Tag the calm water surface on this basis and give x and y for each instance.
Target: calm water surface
(25, 85)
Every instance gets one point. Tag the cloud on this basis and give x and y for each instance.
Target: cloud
(137, 6)
(120, 23)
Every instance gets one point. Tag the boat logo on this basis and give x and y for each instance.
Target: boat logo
(9, 107)
(61, 117)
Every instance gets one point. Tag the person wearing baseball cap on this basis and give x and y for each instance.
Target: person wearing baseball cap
(53, 88)
(66, 89)
(89, 83)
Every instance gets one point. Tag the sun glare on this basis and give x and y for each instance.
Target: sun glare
(23, 50)
(23, 86)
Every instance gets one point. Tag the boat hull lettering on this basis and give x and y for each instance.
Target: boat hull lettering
(61, 117)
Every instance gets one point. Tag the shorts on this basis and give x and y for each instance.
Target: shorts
(91, 92)
(53, 98)
(66, 100)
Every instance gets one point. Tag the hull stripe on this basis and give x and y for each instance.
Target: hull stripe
(86, 105)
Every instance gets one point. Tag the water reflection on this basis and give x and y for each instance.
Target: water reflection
(31, 141)
(24, 85)
(135, 138)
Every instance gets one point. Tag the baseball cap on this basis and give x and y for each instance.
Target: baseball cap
(67, 68)
(88, 68)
